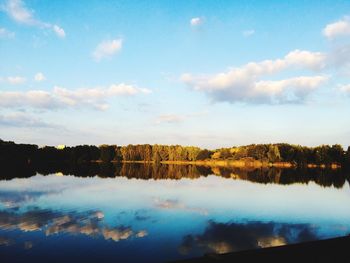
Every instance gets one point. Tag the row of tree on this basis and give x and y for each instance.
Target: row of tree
(299, 155)
(283, 152)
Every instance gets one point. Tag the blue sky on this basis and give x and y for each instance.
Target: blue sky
(205, 73)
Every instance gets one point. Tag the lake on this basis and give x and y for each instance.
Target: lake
(149, 213)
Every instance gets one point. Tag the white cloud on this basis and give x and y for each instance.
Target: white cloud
(306, 59)
(17, 10)
(287, 90)
(59, 31)
(248, 33)
(95, 97)
(245, 83)
(39, 77)
(107, 48)
(4, 33)
(177, 118)
(21, 119)
(337, 29)
(339, 56)
(62, 98)
(170, 118)
(15, 80)
(250, 83)
(196, 21)
(32, 98)
(345, 88)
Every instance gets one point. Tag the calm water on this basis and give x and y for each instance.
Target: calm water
(121, 216)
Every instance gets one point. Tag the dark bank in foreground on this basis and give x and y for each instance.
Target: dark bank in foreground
(322, 251)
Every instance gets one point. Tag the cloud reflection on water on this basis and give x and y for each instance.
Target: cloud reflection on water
(14, 199)
(54, 222)
(5, 241)
(177, 205)
(229, 237)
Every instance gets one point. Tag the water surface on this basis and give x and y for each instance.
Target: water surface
(139, 213)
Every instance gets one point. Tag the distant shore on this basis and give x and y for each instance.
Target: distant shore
(279, 155)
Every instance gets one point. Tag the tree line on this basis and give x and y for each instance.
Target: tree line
(270, 153)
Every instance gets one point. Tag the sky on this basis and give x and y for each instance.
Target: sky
(205, 73)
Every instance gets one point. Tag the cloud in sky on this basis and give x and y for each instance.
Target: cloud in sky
(196, 21)
(62, 98)
(59, 31)
(4, 33)
(39, 77)
(21, 119)
(13, 80)
(170, 118)
(177, 118)
(248, 33)
(107, 49)
(345, 88)
(17, 10)
(301, 85)
(337, 29)
(246, 84)
(16, 80)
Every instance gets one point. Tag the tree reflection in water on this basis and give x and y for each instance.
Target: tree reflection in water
(146, 171)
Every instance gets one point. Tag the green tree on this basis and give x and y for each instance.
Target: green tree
(107, 153)
(203, 155)
(157, 159)
(347, 157)
(118, 156)
(337, 153)
(273, 154)
(258, 152)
